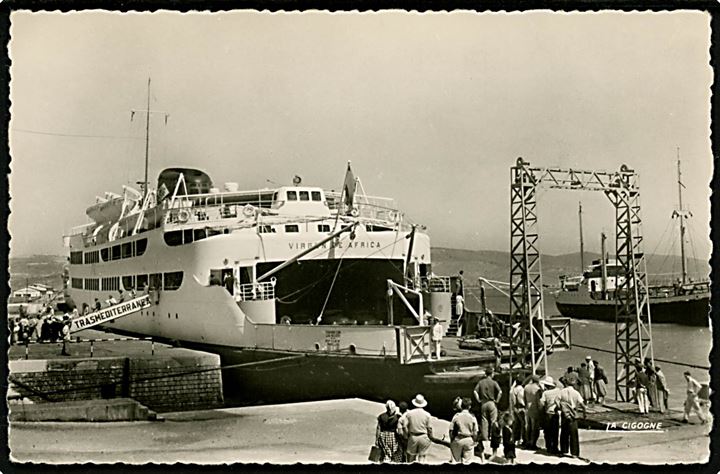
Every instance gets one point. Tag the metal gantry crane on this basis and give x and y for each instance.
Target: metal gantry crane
(633, 335)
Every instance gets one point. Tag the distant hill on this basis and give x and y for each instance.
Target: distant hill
(45, 269)
(491, 264)
(495, 265)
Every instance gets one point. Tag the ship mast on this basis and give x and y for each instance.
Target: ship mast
(145, 182)
(147, 143)
(582, 247)
(681, 214)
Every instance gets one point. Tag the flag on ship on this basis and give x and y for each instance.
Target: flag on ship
(162, 192)
(349, 186)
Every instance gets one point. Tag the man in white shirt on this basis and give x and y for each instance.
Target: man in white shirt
(459, 305)
(436, 337)
(691, 403)
(569, 401)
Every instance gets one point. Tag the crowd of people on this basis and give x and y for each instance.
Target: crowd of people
(536, 405)
(45, 327)
(50, 327)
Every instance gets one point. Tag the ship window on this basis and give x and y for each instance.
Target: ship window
(92, 284)
(126, 250)
(155, 281)
(128, 282)
(266, 229)
(304, 196)
(76, 258)
(292, 228)
(105, 254)
(187, 236)
(140, 247)
(323, 228)
(212, 232)
(115, 252)
(173, 238)
(316, 196)
(378, 228)
(199, 234)
(141, 281)
(173, 280)
(292, 195)
(92, 257)
(111, 283)
(77, 283)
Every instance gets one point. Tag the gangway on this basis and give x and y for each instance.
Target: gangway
(633, 333)
(110, 313)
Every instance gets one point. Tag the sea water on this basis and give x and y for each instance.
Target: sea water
(671, 342)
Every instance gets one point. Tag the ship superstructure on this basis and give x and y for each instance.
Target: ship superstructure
(218, 261)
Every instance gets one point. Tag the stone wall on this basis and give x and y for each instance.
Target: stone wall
(182, 380)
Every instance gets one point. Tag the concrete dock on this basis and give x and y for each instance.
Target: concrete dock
(336, 431)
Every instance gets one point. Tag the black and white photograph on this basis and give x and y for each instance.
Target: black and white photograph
(363, 238)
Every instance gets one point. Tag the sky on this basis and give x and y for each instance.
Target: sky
(431, 109)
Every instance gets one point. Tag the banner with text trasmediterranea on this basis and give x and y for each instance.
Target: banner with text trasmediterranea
(108, 314)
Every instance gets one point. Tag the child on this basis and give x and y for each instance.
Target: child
(508, 438)
(495, 438)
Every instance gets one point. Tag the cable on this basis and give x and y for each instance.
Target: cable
(664, 361)
(55, 134)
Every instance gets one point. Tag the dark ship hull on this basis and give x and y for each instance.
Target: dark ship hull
(688, 310)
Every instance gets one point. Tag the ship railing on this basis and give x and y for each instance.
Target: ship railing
(436, 284)
(256, 291)
(377, 208)
(80, 229)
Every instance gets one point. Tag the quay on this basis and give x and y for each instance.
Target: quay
(329, 431)
(334, 431)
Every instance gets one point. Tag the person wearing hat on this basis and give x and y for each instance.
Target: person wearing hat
(386, 437)
(691, 402)
(416, 424)
(551, 408)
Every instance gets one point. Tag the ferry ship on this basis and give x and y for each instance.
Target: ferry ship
(308, 293)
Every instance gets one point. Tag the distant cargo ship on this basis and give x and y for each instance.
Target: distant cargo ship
(592, 295)
(584, 298)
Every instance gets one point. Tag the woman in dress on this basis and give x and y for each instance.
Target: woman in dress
(386, 437)
(600, 382)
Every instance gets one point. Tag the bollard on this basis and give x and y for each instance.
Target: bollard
(91, 347)
(152, 346)
(27, 349)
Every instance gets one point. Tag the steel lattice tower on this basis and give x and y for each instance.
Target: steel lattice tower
(633, 335)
